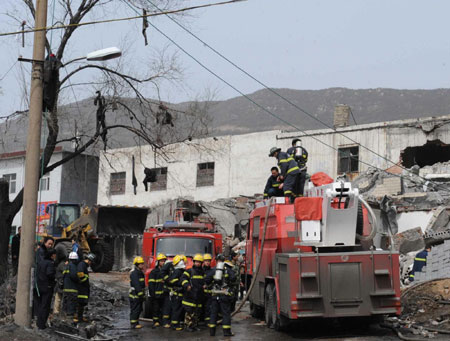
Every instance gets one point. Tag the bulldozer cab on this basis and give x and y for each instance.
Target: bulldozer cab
(61, 216)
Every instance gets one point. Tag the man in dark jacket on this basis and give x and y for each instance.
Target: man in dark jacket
(156, 289)
(272, 188)
(289, 172)
(70, 290)
(137, 287)
(45, 282)
(193, 281)
(84, 288)
(166, 271)
(47, 243)
(15, 247)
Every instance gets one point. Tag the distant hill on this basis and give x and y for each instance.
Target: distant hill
(240, 116)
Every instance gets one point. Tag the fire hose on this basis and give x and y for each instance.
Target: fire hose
(258, 265)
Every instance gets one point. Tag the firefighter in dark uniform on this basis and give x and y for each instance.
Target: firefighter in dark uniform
(70, 290)
(206, 307)
(300, 156)
(193, 281)
(176, 292)
(83, 286)
(156, 289)
(289, 172)
(272, 188)
(237, 279)
(222, 295)
(166, 271)
(137, 287)
(419, 262)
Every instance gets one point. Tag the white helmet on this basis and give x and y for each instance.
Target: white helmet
(73, 255)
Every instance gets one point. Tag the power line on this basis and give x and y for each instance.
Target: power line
(8, 71)
(48, 28)
(278, 94)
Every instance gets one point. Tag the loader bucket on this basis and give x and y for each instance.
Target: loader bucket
(120, 220)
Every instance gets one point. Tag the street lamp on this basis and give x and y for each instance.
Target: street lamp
(99, 55)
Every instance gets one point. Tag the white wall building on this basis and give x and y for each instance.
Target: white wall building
(72, 182)
(230, 166)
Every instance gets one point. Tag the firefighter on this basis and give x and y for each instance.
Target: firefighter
(272, 188)
(207, 291)
(70, 290)
(193, 281)
(83, 286)
(176, 292)
(419, 262)
(300, 156)
(289, 172)
(156, 289)
(166, 271)
(222, 280)
(137, 287)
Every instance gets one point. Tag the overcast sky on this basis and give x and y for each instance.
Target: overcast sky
(284, 43)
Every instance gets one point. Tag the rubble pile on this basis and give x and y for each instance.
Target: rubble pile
(8, 297)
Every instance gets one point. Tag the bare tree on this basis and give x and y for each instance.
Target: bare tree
(121, 101)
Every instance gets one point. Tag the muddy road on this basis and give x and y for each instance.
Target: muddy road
(243, 325)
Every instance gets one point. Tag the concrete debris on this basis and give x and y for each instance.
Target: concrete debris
(439, 220)
(438, 264)
(410, 240)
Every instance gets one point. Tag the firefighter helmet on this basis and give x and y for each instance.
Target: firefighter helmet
(273, 150)
(176, 259)
(73, 255)
(228, 262)
(207, 256)
(183, 258)
(198, 257)
(138, 260)
(90, 256)
(161, 256)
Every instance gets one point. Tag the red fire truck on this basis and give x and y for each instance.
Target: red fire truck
(318, 259)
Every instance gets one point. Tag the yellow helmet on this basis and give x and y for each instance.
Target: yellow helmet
(161, 256)
(198, 257)
(138, 260)
(229, 263)
(183, 257)
(176, 259)
(207, 256)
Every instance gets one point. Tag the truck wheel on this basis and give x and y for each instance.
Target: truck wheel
(268, 313)
(104, 257)
(256, 311)
(280, 322)
(148, 308)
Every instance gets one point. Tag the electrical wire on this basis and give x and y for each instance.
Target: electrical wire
(340, 152)
(283, 97)
(48, 28)
(8, 70)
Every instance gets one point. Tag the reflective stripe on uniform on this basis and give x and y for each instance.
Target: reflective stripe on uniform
(155, 280)
(411, 275)
(275, 185)
(141, 279)
(184, 282)
(159, 292)
(211, 325)
(287, 192)
(70, 290)
(83, 296)
(133, 296)
(198, 277)
(224, 326)
(292, 169)
(421, 259)
(133, 321)
(174, 280)
(189, 304)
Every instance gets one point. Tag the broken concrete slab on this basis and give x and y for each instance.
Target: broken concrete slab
(410, 240)
(439, 220)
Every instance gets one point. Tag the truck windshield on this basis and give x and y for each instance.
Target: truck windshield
(186, 246)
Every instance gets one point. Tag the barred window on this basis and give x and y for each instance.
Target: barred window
(348, 160)
(205, 174)
(117, 183)
(44, 183)
(161, 179)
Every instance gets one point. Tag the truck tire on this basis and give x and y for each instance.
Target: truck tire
(104, 257)
(268, 306)
(256, 311)
(280, 322)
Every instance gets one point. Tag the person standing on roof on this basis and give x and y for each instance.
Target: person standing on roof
(289, 172)
(272, 188)
(156, 289)
(300, 156)
(137, 287)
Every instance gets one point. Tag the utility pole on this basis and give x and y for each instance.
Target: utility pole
(30, 195)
